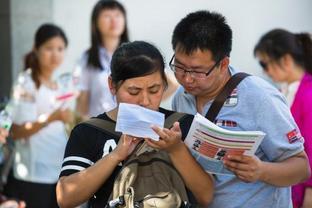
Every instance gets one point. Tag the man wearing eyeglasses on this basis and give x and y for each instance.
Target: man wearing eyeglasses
(202, 44)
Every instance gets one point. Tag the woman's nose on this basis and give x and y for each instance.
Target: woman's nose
(145, 101)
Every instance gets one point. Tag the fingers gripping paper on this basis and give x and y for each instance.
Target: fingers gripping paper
(136, 121)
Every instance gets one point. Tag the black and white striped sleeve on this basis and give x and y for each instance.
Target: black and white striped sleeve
(80, 150)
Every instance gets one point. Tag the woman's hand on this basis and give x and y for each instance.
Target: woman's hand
(125, 147)
(13, 204)
(170, 139)
(64, 115)
(307, 200)
(3, 135)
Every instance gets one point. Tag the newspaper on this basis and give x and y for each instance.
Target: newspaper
(210, 144)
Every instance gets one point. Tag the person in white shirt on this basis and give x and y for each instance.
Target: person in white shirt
(39, 122)
(108, 31)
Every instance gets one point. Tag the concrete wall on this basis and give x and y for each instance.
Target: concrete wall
(20, 20)
(26, 17)
(5, 47)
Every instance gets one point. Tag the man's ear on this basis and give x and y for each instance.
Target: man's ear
(111, 85)
(225, 63)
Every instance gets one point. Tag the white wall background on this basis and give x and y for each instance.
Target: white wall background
(26, 17)
(154, 21)
(74, 16)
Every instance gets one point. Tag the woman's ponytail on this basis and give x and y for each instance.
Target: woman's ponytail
(305, 42)
(31, 62)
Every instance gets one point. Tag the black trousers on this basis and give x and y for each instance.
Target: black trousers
(36, 195)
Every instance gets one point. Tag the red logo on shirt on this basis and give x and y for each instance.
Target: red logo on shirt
(293, 136)
(227, 123)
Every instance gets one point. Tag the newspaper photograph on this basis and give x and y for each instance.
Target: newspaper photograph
(210, 144)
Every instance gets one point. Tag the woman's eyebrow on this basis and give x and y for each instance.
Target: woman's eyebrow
(134, 88)
(153, 86)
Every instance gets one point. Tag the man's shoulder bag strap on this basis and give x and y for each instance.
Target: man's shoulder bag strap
(224, 94)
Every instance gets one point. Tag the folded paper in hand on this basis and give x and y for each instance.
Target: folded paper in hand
(136, 121)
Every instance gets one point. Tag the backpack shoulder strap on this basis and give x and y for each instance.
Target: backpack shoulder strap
(176, 116)
(103, 125)
(224, 94)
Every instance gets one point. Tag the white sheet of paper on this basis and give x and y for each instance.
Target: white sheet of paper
(136, 121)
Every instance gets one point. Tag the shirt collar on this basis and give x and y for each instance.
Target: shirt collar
(103, 53)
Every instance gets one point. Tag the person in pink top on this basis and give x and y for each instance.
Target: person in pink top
(287, 58)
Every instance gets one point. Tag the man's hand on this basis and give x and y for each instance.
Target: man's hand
(247, 168)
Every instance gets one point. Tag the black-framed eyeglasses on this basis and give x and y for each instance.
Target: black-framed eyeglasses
(181, 71)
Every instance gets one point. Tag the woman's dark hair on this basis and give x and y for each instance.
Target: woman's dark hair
(278, 42)
(96, 39)
(44, 33)
(136, 59)
(203, 30)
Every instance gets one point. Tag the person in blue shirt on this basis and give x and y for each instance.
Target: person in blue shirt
(202, 44)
